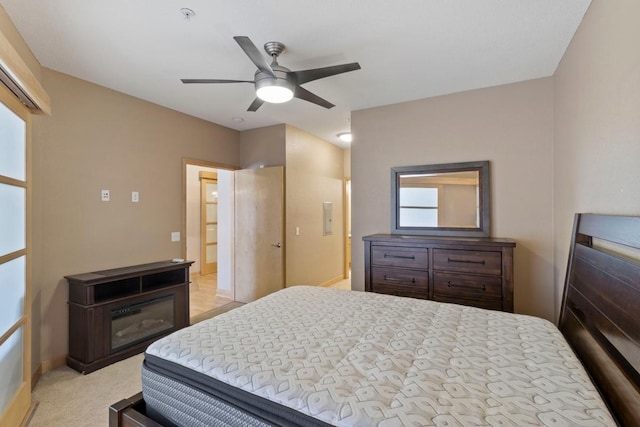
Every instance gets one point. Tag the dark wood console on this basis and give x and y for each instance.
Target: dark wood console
(469, 271)
(114, 314)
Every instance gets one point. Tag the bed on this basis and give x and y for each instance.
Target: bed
(315, 356)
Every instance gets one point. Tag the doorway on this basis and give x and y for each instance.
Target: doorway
(209, 242)
(250, 201)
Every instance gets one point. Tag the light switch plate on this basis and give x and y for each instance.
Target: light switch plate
(175, 236)
(104, 195)
(135, 197)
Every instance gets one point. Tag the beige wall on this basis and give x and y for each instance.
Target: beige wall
(458, 206)
(314, 173)
(347, 162)
(263, 147)
(597, 121)
(511, 126)
(101, 139)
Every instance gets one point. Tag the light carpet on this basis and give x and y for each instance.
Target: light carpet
(67, 398)
(70, 399)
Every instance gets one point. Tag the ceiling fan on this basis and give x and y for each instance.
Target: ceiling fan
(275, 83)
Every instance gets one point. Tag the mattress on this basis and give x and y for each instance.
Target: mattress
(308, 355)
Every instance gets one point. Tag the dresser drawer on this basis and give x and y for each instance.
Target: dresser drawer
(467, 286)
(488, 304)
(400, 257)
(400, 277)
(400, 291)
(481, 262)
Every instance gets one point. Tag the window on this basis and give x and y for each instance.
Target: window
(419, 206)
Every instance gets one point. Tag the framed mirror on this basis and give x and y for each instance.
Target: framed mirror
(441, 200)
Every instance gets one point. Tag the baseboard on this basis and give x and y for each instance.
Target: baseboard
(55, 363)
(35, 376)
(29, 415)
(46, 366)
(332, 281)
(225, 293)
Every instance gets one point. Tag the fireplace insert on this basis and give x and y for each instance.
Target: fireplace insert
(135, 323)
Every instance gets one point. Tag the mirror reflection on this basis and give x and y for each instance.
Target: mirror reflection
(447, 199)
(442, 200)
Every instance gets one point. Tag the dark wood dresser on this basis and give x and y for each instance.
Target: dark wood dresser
(469, 271)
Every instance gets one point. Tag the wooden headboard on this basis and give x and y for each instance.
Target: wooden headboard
(600, 314)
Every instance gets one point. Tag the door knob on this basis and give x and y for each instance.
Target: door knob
(277, 245)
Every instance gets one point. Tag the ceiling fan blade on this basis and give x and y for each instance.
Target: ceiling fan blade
(215, 81)
(305, 76)
(254, 54)
(302, 93)
(255, 104)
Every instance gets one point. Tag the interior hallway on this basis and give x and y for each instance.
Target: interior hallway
(202, 294)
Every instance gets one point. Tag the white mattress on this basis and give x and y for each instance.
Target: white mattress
(354, 359)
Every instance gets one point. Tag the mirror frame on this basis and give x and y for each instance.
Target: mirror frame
(481, 231)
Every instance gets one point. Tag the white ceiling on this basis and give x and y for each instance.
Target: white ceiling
(408, 49)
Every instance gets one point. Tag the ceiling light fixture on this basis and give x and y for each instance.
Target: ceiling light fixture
(345, 136)
(274, 90)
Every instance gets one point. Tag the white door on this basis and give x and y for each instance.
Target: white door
(15, 296)
(259, 231)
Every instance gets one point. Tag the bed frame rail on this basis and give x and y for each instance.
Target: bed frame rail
(601, 308)
(130, 412)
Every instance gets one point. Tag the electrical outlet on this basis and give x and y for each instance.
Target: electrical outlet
(175, 236)
(104, 195)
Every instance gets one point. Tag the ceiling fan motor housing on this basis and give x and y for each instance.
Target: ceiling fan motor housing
(274, 48)
(281, 84)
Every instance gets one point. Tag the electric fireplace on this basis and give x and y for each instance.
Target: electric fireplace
(134, 323)
(114, 314)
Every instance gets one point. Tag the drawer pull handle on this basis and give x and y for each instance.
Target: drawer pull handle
(413, 257)
(451, 285)
(393, 279)
(465, 261)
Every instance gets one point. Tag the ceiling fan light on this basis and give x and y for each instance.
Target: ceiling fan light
(275, 91)
(275, 94)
